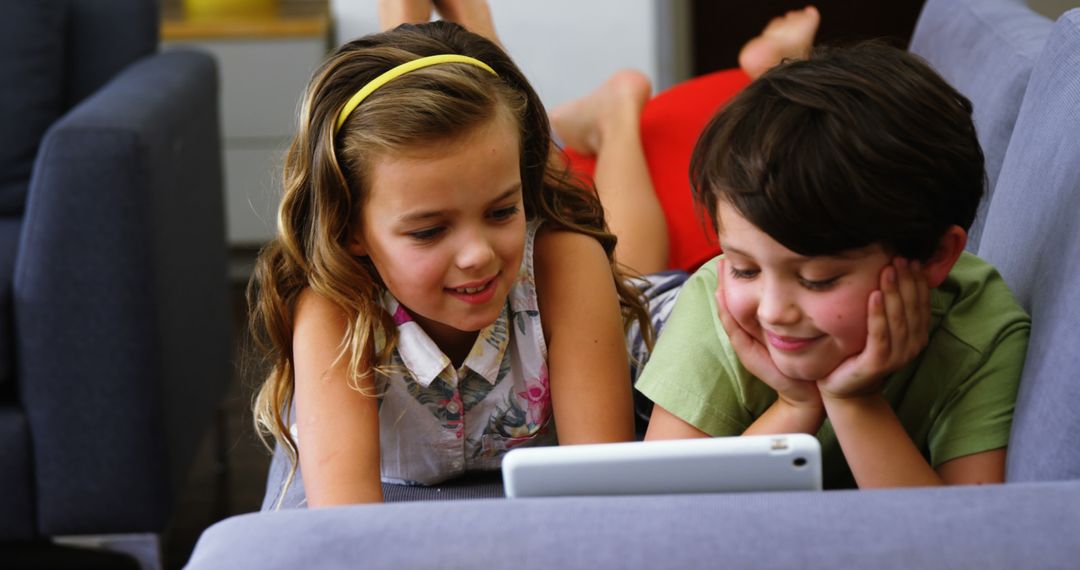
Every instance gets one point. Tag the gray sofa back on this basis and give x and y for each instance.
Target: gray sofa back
(53, 54)
(1032, 235)
(986, 49)
(105, 36)
(114, 307)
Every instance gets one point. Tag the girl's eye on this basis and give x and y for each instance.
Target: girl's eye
(505, 213)
(426, 235)
(820, 284)
(743, 273)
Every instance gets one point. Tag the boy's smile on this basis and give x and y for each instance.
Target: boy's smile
(809, 312)
(444, 226)
(790, 343)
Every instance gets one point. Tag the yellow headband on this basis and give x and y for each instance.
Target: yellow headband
(400, 70)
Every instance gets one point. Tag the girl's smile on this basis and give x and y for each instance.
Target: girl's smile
(444, 226)
(476, 293)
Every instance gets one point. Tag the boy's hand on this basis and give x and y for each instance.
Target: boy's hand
(898, 329)
(755, 357)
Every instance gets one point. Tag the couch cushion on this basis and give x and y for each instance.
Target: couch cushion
(478, 485)
(986, 49)
(974, 526)
(32, 92)
(1032, 237)
(17, 519)
(9, 241)
(99, 47)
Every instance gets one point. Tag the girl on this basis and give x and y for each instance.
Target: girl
(438, 292)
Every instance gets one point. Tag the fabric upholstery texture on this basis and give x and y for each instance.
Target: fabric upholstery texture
(480, 485)
(9, 237)
(122, 265)
(32, 92)
(986, 49)
(484, 485)
(114, 304)
(1032, 236)
(100, 48)
(984, 527)
(16, 477)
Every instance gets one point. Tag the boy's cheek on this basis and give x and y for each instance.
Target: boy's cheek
(743, 308)
(850, 327)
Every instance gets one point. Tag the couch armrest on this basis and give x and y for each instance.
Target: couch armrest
(121, 298)
(1001, 526)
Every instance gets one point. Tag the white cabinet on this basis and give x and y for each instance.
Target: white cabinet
(568, 47)
(264, 66)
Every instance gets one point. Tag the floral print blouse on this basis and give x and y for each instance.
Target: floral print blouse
(437, 422)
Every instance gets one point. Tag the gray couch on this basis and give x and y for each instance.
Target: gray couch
(1023, 74)
(115, 340)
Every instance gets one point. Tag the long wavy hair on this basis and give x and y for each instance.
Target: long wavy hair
(326, 178)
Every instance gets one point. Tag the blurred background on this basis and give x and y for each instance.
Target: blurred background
(266, 51)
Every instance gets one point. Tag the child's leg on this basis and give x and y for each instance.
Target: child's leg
(790, 36)
(393, 13)
(473, 15)
(610, 116)
(606, 124)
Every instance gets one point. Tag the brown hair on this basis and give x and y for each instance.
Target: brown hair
(325, 179)
(851, 147)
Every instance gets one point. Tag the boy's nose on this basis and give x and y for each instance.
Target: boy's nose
(776, 307)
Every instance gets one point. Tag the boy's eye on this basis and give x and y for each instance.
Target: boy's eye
(505, 213)
(426, 234)
(743, 273)
(819, 284)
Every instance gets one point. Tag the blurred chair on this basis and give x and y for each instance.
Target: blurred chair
(115, 339)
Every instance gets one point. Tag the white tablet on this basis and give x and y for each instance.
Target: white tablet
(787, 462)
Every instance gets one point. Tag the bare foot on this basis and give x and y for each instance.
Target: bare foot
(473, 15)
(583, 124)
(790, 36)
(393, 13)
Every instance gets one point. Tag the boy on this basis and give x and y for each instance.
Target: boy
(841, 188)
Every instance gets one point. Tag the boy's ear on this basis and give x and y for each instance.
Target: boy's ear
(949, 248)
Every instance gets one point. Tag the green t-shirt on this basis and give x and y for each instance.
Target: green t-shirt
(955, 399)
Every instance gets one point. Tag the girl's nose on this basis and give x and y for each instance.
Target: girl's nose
(476, 251)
